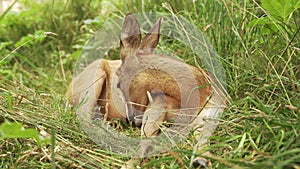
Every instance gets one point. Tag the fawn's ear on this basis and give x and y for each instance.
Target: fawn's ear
(130, 37)
(150, 41)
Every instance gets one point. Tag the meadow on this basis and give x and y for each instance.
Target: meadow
(258, 42)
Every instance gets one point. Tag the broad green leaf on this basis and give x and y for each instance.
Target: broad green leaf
(296, 4)
(281, 8)
(16, 130)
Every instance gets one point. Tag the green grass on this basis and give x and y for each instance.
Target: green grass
(260, 128)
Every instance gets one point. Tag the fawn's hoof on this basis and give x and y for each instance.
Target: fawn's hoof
(200, 162)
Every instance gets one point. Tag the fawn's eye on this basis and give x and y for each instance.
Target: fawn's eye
(118, 85)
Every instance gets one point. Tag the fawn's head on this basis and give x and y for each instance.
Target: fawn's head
(132, 43)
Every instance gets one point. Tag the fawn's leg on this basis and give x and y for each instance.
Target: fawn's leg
(205, 124)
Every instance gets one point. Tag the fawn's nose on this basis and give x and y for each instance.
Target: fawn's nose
(118, 85)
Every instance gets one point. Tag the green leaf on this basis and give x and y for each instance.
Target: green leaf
(296, 4)
(30, 39)
(3, 45)
(16, 130)
(268, 25)
(281, 8)
(96, 21)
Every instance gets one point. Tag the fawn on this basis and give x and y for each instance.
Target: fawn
(149, 89)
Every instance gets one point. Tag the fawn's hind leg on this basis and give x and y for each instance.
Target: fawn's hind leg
(205, 124)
